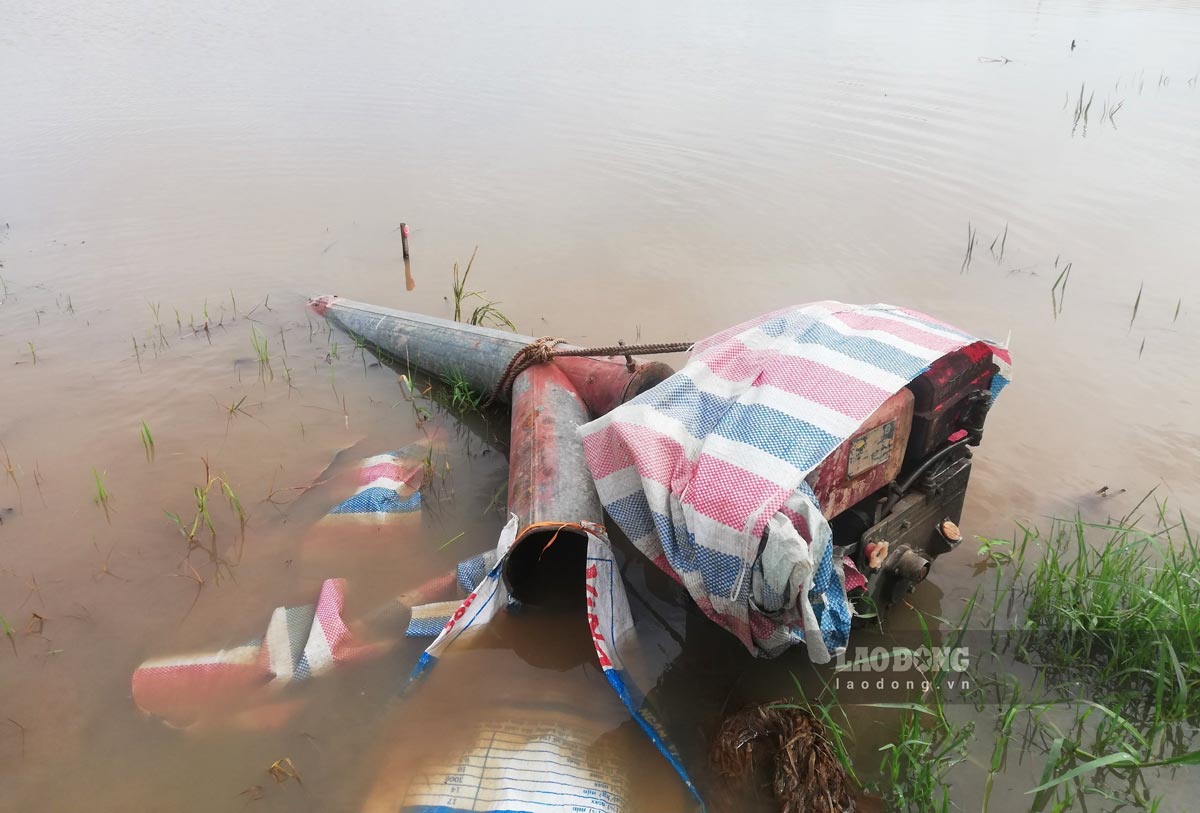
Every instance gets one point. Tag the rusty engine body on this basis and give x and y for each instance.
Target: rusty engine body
(894, 491)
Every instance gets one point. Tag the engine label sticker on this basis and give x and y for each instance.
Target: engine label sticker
(870, 449)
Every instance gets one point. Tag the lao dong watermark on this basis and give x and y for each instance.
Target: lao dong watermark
(880, 669)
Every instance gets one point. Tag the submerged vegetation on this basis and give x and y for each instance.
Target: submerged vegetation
(1108, 620)
(1105, 621)
(147, 441)
(102, 496)
(1121, 612)
(261, 350)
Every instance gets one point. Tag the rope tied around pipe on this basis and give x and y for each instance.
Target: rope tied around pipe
(543, 350)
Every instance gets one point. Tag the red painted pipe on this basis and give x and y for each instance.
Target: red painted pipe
(549, 489)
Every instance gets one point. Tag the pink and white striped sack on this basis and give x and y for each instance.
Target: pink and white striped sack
(240, 685)
(705, 473)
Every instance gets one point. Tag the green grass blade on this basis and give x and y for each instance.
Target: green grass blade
(1120, 758)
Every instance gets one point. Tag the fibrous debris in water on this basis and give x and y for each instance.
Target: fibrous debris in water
(793, 748)
(282, 770)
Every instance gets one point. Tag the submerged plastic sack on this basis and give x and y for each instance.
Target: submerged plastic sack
(535, 758)
(705, 473)
(238, 686)
(299, 643)
(386, 498)
(611, 628)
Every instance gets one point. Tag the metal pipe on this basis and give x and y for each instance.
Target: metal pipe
(549, 489)
(481, 354)
(912, 566)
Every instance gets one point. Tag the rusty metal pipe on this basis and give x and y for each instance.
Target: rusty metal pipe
(549, 489)
(480, 354)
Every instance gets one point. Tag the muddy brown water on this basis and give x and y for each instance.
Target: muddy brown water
(628, 171)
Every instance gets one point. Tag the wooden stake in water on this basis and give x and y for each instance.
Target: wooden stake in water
(404, 238)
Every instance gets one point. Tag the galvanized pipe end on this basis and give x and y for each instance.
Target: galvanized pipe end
(320, 304)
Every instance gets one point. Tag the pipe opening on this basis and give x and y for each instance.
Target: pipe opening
(546, 567)
(912, 566)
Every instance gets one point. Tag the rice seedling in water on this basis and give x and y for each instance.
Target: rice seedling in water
(1002, 239)
(459, 286)
(461, 397)
(1121, 607)
(360, 344)
(928, 745)
(1110, 617)
(1178, 305)
(8, 633)
(32, 352)
(12, 475)
(1081, 109)
(486, 314)
(261, 350)
(966, 263)
(1111, 112)
(232, 410)
(137, 353)
(202, 519)
(916, 764)
(235, 407)
(147, 441)
(1136, 303)
(1058, 296)
(102, 496)
(287, 375)
(37, 481)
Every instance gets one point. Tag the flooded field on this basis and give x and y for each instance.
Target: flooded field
(175, 183)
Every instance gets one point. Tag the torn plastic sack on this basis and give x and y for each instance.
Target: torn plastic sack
(560, 773)
(239, 686)
(386, 500)
(705, 473)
